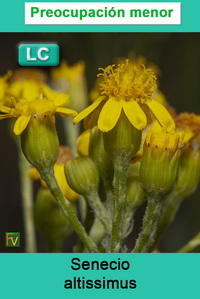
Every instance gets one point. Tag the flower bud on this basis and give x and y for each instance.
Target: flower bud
(82, 175)
(123, 140)
(50, 220)
(189, 174)
(135, 193)
(160, 162)
(40, 143)
(99, 155)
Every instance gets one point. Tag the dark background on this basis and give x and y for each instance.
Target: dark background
(176, 54)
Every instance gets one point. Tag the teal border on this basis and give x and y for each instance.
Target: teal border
(157, 276)
(12, 20)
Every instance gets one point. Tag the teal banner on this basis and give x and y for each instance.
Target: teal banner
(97, 275)
(13, 18)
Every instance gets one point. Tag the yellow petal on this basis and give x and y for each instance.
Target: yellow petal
(2, 116)
(110, 114)
(64, 112)
(62, 182)
(61, 99)
(48, 92)
(91, 120)
(135, 114)
(162, 115)
(88, 110)
(5, 109)
(187, 135)
(21, 124)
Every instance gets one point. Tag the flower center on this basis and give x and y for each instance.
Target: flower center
(190, 122)
(128, 82)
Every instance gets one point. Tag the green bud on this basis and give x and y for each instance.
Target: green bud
(82, 175)
(50, 220)
(160, 162)
(135, 193)
(40, 143)
(189, 174)
(99, 155)
(123, 140)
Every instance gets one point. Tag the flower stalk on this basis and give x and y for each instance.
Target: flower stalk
(99, 210)
(149, 227)
(119, 185)
(48, 177)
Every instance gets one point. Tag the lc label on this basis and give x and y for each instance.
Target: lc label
(38, 54)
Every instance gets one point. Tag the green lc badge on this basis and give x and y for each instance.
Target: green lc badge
(38, 55)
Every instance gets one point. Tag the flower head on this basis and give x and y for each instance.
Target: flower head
(125, 88)
(64, 71)
(160, 161)
(39, 108)
(189, 123)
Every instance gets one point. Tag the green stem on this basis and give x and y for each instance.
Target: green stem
(168, 215)
(99, 209)
(191, 245)
(149, 226)
(48, 177)
(109, 195)
(169, 211)
(27, 204)
(119, 182)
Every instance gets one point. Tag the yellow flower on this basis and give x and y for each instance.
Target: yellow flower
(28, 84)
(189, 123)
(64, 71)
(64, 156)
(127, 89)
(30, 89)
(4, 86)
(39, 108)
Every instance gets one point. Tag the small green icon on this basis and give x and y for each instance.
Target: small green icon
(38, 54)
(12, 239)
